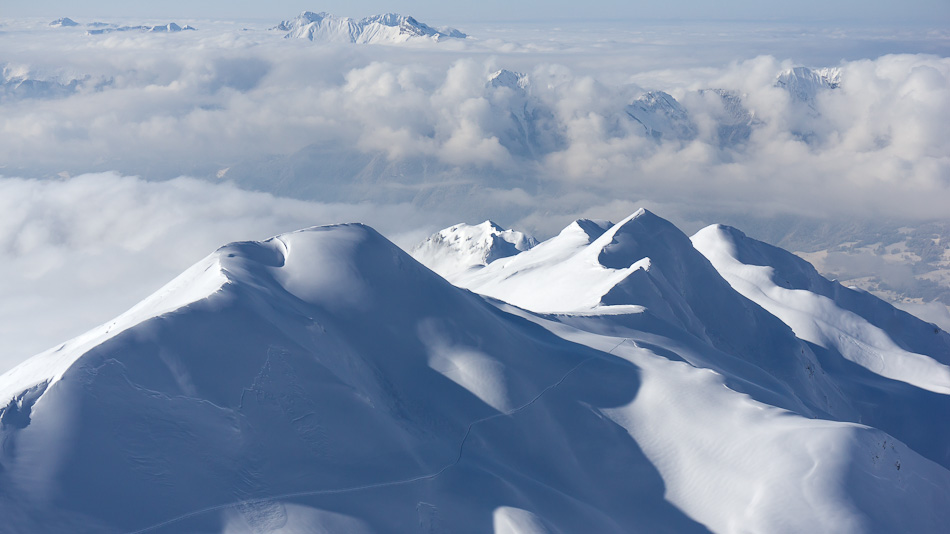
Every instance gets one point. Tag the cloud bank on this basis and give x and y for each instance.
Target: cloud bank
(529, 126)
(161, 106)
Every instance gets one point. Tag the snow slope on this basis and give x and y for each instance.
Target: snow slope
(847, 325)
(388, 28)
(325, 380)
(861, 327)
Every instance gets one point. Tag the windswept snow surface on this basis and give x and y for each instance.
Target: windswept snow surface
(325, 380)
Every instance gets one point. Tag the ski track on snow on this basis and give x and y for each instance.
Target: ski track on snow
(412, 480)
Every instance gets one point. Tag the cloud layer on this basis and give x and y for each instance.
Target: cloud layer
(160, 106)
(414, 138)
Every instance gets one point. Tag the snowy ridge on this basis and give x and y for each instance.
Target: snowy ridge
(323, 379)
(646, 267)
(848, 328)
(197, 283)
(388, 28)
(859, 326)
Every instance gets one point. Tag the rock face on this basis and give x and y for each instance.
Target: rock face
(325, 380)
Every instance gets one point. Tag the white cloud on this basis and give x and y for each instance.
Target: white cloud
(197, 105)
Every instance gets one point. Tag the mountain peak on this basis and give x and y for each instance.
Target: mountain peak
(623, 244)
(458, 249)
(662, 117)
(591, 228)
(64, 22)
(805, 84)
(510, 79)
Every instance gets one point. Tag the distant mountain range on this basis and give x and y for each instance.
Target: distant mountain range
(171, 27)
(388, 28)
(99, 28)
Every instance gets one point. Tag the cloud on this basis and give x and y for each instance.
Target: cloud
(420, 136)
(162, 106)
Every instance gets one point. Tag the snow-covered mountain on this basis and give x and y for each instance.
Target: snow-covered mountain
(898, 354)
(64, 22)
(325, 380)
(644, 267)
(462, 248)
(662, 117)
(804, 84)
(387, 28)
(527, 127)
(171, 27)
(18, 82)
(22, 87)
(856, 324)
(735, 123)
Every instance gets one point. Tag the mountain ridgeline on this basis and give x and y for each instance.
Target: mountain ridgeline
(615, 378)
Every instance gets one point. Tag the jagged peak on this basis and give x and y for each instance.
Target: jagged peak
(804, 84)
(655, 98)
(508, 78)
(377, 28)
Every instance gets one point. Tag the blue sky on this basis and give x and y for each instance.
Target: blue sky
(928, 12)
